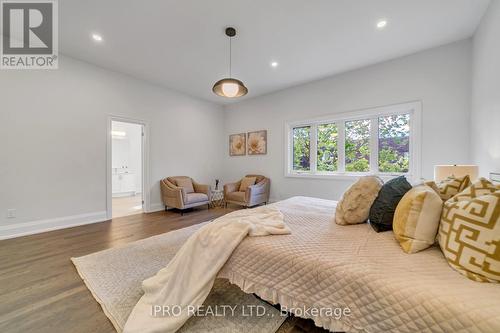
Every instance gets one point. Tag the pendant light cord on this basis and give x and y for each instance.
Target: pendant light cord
(230, 56)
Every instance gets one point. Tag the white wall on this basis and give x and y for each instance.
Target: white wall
(439, 77)
(53, 128)
(485, 116)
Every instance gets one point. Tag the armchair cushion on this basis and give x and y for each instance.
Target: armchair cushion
(246, 182)
(185, 183)
(196, 197)
(236, 196)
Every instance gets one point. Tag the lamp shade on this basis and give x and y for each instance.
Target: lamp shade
(444, 171)
(230, 88)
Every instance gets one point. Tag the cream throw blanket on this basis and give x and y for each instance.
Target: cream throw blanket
(188, 278)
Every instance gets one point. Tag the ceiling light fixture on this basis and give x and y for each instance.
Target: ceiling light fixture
(97, 38)
(381, 24)
(274, 64)
(230, 87)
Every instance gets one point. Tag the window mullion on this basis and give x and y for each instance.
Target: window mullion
(341, 146)
(374, 145)
(314, 148)
(290, 149)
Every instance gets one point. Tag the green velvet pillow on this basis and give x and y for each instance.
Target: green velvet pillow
(384, 206)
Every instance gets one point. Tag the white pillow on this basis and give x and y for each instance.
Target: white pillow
(354, 206)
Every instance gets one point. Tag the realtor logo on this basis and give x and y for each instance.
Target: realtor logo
(29, 38)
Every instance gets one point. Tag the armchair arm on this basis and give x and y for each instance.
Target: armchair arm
(258, 192)
(201, 188)
(172, 195)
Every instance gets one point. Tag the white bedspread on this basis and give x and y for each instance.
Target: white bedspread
(188, 278)
(324, 265)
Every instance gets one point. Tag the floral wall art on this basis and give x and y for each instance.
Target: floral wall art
(257, 143)
(237, 144)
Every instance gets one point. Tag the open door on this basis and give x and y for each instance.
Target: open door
(127, 168)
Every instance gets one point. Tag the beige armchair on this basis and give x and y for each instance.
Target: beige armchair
(183, 192)
(254, 194)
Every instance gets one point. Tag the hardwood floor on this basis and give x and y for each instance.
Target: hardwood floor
(40, 290)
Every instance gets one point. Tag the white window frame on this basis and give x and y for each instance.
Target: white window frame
(412, 108)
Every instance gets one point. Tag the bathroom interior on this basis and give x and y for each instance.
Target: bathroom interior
(126, 166)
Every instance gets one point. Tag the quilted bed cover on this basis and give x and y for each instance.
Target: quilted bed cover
(325, 266)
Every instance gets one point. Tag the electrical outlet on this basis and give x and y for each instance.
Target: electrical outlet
(11, 213)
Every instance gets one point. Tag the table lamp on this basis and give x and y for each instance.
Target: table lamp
(442, 172)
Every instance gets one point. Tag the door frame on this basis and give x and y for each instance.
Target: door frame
(146, 188)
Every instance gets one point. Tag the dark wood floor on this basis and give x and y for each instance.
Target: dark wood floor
(40, 290)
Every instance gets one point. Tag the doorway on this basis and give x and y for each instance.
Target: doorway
(126, 170)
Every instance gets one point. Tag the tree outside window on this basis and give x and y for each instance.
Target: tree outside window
(301, 148)
(357, 145)
(327, 156)
(394, 143)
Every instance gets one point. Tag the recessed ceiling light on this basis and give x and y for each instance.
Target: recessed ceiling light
(97, 38)
(381, 24)
(274, 64)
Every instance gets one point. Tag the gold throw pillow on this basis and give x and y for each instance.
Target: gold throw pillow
(450, 186)
(480, 187)
(416, 220)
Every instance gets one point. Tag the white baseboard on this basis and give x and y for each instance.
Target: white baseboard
(35, 227)
(156, 207)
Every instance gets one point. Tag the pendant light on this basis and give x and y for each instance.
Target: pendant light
(230, 87)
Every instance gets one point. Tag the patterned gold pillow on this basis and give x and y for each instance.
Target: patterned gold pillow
(416, 219)
(469, 236)
(480, 187)
(450, 186)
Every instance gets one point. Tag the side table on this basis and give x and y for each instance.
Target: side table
(217, 198)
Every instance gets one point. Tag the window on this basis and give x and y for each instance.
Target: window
(301, 148)
(384, 141)
(327, 147)
(357, 145)
(394, 143)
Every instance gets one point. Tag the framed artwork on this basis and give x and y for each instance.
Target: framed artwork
(257, 143)
(237, 144)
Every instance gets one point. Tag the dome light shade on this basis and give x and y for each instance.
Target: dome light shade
(230, 88)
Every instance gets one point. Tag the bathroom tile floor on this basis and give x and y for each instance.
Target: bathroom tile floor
(125, 206)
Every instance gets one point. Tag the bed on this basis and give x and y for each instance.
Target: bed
(324, 266)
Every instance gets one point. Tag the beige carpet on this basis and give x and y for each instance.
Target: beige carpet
(114, 277)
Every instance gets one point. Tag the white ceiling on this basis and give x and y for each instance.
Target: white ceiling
(181, 44)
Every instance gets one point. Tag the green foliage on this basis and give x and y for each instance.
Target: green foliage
(301, 148)
(394, 143)
(327, 147)
(357, 146)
